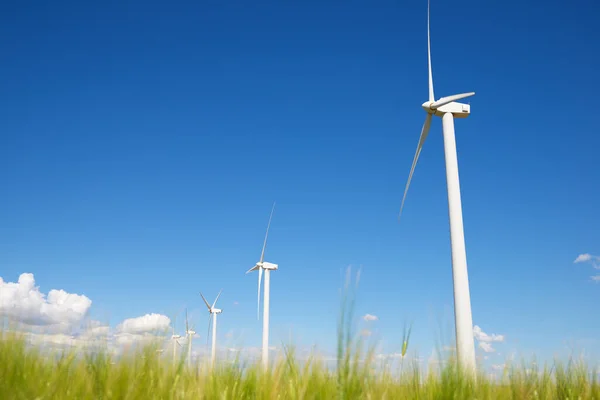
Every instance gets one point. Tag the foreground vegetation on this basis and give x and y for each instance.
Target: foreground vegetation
(31, 372)
(28, 373)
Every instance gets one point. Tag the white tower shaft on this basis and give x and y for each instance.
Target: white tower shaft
(174, 352)
(214, 340)
(265, 338)
(465, 344)
(189, 355)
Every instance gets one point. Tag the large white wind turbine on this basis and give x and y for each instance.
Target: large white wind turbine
(213, 317)
(190, 334)
(267, 267)
(448, 108)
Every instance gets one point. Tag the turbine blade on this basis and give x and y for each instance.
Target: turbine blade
(424, 133)
(213, 306)
(262, 255)
(431, 97)
(253, 268)
(205, 302)
(448, 99)
(186, 321)
(178, 343)
(260, 271)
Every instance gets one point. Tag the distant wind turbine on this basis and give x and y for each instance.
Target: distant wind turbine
(176, 343)
(267, 267)
(448, 108)
(213, 317)
(190, 333)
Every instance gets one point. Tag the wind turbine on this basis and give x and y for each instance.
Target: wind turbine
(190, 333)
(213, 313)
(176, 343)
(448, 108)
(267, 267)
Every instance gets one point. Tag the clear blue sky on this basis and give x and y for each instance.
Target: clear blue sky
(143, 144)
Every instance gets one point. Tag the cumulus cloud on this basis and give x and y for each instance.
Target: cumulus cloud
(485, 340)
(388, 356)
(59, 319)
(128, 339)
(583, 258)
(594, 261)
(484, 337)
(487, 347)
(144, 324)
(97, 331)
(370, 317)
(23, 302)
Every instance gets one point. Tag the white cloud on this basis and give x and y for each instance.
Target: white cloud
(484, 337)
(97, 331)
(485, 346)
(590, 259)
(485, 340)
(370, 317)
(144, 324)
(23, 302)
(383, 356)
(587, 257)
(59, 339)
(128, 339)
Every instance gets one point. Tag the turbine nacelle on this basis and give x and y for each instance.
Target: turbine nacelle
(449, 104)
(458, 110)
(268, 265)
(263, 265)
(215, 311)
(175, 337)
(191, 333)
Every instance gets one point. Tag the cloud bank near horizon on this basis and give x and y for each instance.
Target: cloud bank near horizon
(61, 318)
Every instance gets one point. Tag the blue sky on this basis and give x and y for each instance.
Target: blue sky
(143, 144)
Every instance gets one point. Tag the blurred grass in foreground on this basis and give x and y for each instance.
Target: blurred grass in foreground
(27, 372)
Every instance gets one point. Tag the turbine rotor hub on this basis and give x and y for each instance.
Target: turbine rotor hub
(427, 106)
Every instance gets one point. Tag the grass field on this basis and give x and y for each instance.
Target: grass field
(34, 373)
(28, 373)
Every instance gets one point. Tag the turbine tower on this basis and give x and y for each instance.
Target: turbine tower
(213, 317)
(190, 333)
(448, 108)
(176, 343)
(267, 267)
